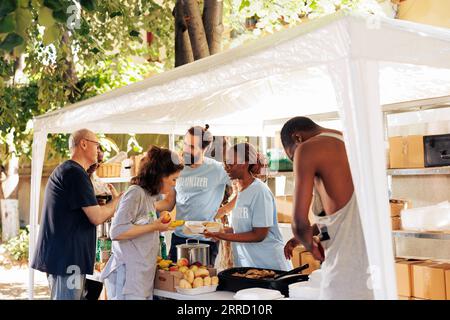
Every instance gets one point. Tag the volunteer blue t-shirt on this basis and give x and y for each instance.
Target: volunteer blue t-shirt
(66, 242)
(255, 208)
(200, 192)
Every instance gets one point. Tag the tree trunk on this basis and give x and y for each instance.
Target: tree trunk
(196, 30)
(212, 21)
(70, 75)
(183, 49)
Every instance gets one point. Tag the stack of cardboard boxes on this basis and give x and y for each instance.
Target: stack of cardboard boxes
(396, 207)
(422, 280)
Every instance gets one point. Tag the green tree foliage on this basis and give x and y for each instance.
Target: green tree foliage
(76, 49)
(73, 50)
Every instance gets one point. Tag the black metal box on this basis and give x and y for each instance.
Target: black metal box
(437, 150)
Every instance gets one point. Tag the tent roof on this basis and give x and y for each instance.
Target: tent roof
(237, 92)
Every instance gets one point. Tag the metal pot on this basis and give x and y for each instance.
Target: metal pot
(194, 252)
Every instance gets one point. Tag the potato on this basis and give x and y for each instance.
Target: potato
(189, 276)
(214, 280)
(201, 273)
(184, 284)
(207, 281)
(198, 282)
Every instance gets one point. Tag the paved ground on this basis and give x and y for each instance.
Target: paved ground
(14, 282)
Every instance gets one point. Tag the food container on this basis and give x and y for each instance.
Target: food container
(195, 226)
(194, 252)
(212, 226)
(228, 282)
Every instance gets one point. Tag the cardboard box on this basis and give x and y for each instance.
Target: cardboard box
(398, 205)
(403, 270)
(404, 298)
(284, 208)
(168, 280)
(406, 152)
(300, 257)
(396, 223)
(447, 283)
(429, 281)
(415, 157)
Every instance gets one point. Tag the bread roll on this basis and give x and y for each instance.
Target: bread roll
(207, 281)
(201, 273)
(198, 282)
(184, 284)
(189, 276)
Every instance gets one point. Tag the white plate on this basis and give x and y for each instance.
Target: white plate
(258, 294)
(199, 290)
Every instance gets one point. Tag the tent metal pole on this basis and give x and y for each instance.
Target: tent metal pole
(37, 163)
(172, 142)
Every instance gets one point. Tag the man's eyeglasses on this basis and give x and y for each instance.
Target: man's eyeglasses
(96, 142)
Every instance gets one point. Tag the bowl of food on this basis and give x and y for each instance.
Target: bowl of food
(211, 226)
(195, 226)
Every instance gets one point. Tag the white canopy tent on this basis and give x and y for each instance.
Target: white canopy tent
(345, 63)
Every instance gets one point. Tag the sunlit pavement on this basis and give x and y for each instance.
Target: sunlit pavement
(14, 282)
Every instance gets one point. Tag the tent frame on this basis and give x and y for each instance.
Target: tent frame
(354, 71)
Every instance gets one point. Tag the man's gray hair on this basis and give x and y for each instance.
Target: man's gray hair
(76, 137)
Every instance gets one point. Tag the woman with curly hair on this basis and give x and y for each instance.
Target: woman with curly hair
(135, 229)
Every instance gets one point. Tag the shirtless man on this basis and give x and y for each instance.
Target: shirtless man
(323, 179)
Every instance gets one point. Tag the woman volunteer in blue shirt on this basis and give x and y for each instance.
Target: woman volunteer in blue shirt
(200, 188)
(255, 236)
